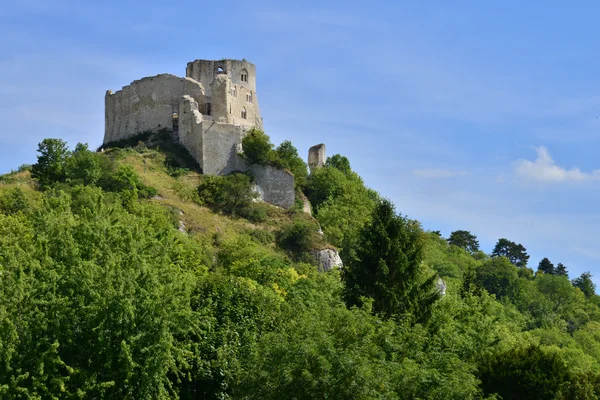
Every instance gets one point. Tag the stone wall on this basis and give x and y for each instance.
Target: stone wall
(190, 127)
(147, 105)
(275, 186)
(220, 145)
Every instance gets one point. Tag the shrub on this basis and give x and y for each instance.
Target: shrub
(13, 201)
(231, 194)
(261, 236)
(299, 237)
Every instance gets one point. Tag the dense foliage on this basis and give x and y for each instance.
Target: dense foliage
(103, 297)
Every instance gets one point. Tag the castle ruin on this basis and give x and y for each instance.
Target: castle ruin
(208, 112)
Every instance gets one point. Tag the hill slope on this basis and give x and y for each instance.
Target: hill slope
(126, 275)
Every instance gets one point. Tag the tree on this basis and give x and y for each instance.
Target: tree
(498, 276)
(82, 167)
(340, 163)
(524, 373)
(546, 266)
(50, 166)
(465, 240)
(387, 267)
(257, 147)
(561, 270)
(516, 253)
(287, 157)
(584, 282)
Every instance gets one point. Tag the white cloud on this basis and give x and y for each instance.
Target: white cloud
(436, 173)
(544, 169)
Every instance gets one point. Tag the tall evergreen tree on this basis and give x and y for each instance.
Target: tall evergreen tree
(561, 270)
(546, 266)
(584, 282)
(387, 267)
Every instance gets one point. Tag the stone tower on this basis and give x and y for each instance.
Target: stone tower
(234, 99)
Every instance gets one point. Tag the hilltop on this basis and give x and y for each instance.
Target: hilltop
(127, 273)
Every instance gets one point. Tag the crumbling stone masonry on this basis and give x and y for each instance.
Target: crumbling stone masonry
(316, 157)
(208, 112)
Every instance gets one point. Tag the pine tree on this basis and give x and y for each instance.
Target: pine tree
(387, 267)
(561, 270)
(546, 266)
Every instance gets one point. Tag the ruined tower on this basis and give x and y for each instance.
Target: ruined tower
(233, 99)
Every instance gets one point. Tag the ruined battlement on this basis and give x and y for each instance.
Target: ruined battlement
(209, 111)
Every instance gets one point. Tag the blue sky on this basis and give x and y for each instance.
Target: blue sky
(476, 115)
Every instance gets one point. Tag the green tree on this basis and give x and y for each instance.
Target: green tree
(546, 266)
(465, 240)
(340, 163)
(82, 167)
(51, 161)
(585, 284)
(257, 147)
(498, 276)
(516, 253)
(387, 267)
(561, 270)
(524, 373)
(13, 201)
(287, 157)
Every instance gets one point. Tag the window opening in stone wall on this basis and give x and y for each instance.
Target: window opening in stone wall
(208, 110)
(234, 91)
(244, 112)
(244, 77)
(175, 123)
(220, 70)
(249, 97)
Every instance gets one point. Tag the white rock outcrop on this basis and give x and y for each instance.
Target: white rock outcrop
(327, 259)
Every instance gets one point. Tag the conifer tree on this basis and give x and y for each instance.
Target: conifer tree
(386, 267)
(546, 266)
(561, 270)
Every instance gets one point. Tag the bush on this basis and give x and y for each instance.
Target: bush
(13, 201)
(231, 194)
(261, 236)
(299, 237)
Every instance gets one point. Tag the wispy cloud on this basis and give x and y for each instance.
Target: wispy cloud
(436, 173)
(589, 253)
(544, 169)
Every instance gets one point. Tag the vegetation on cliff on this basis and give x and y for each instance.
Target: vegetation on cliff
(125, 274)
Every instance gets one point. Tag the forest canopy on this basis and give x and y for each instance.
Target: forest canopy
(127, 274)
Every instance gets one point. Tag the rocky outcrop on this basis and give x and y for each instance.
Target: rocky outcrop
(440, 285)
(327, 259)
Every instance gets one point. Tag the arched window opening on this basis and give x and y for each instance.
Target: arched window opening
(244, 112)
(249, 97)
(220, 70)
(244, 76)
